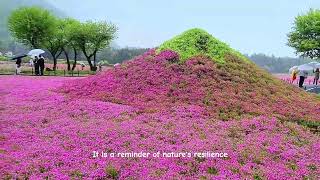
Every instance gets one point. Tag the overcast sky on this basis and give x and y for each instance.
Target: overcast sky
(249, 26)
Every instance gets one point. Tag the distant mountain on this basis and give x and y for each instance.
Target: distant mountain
(7, 6)
(277, 64)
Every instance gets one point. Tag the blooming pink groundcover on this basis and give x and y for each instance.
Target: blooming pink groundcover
(47, 134)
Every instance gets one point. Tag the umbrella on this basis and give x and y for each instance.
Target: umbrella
(293, 68)
(305, 67)
(19, 56)
(317, 65)
(35, 52)
(313, 64)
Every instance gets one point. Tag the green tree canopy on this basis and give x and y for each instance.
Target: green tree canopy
(305, 36)
(91, 37)
(55, 41)
(70, 40)
(72, 25)
(31, 25)
(38, 28)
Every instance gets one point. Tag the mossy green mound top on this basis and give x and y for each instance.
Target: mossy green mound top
(198, 42)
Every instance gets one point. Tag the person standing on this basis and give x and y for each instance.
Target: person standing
(100, 67)
(18, 66)
(41, 64)
(31, 64)
(316, 76)
(36, 65)
(301, 78)
(82, 66)
(294, 75)
(305, 74)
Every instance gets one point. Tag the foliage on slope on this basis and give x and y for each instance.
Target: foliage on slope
(196, 42)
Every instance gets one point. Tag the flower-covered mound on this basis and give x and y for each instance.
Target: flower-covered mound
(226, 92)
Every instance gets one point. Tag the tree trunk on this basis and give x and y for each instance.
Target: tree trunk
(55, 57)
(94, 59)
(93, 67)
(75, 59)
(90, 63)
(67, 57)
(54, 63)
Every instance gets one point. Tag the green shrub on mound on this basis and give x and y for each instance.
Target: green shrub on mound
(196, 42)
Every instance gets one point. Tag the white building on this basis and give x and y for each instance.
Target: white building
(1, 54)
(8, 54)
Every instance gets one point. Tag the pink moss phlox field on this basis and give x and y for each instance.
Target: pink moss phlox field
(50, 126)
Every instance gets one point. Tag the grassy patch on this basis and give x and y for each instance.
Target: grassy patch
(313, 125)
(212, 170)
(111, 172)
(196, 42)
(77, 175)
(257, 177)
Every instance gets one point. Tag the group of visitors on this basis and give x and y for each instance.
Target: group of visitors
(38, 64)
(303, 75)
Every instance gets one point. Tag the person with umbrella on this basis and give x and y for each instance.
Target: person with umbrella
(36, 65)
(18, 66)
(294, 72)
(303, 73)
(41, 64)
(18, 62)
(301, 78)
(315, 65)
(35, 53)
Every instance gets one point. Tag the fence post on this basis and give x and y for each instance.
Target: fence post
(72, 73)
(32, 70)
(78, 73)
(64, 72)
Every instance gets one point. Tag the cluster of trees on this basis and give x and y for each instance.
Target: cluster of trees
(39, 28)
(114, 55)
(277, 64)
